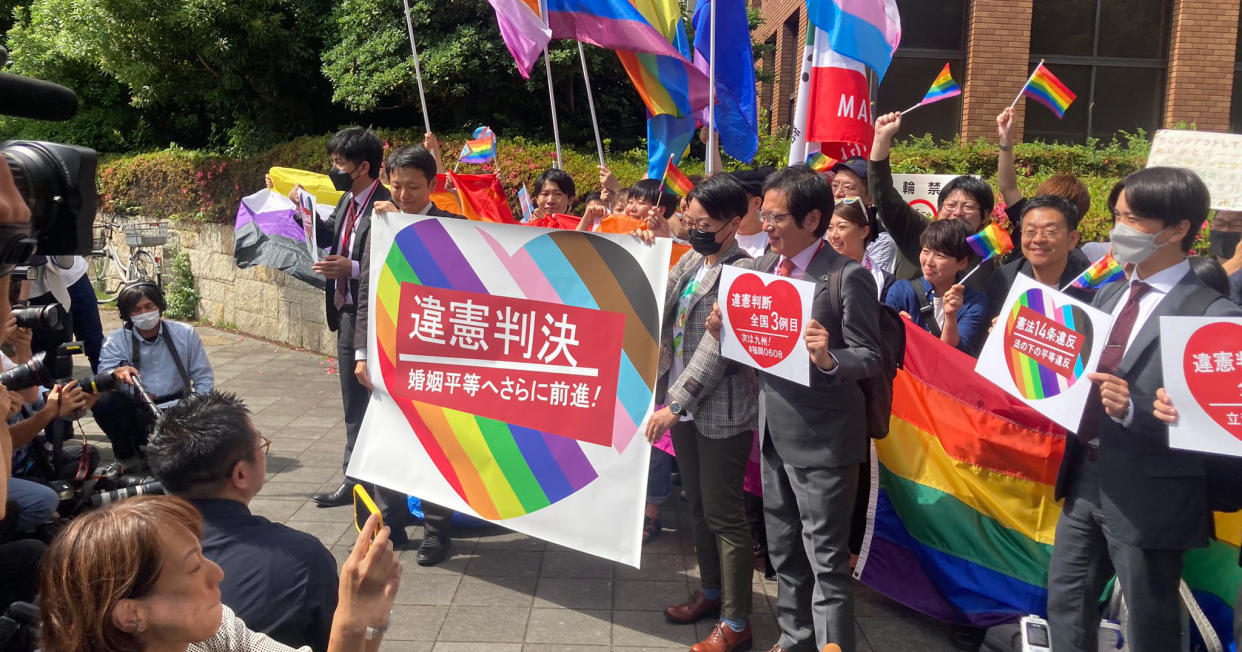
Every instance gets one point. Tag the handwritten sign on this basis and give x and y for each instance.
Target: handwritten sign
(1215, 157)
(1043, 345)
(1202, 360)
(306, 214)
(764, 318)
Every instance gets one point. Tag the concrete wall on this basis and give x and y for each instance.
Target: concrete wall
(257, 301)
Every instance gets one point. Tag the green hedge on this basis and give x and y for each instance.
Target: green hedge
(192, 185)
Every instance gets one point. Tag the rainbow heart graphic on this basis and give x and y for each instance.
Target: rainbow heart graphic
(1047, 345)
(503, 470)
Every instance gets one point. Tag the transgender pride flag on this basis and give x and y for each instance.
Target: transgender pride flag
(866, 30)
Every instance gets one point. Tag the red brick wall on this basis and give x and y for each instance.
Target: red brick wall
(998, 46)
(1201, 60)
(787, 59)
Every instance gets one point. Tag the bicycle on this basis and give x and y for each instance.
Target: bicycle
(108, 273)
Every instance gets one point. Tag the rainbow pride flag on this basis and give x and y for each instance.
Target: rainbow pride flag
(676, 182)
(820, 162)
(942, 88)
(481, 149)
(963, 501)
(1104, 271)
(1045, 88)
(991, 241)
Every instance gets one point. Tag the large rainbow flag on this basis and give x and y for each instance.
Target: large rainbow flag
(963, 501)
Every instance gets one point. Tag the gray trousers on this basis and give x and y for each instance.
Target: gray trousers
(1084, 559)
(354, 396)
(807, 511)
(712, 472)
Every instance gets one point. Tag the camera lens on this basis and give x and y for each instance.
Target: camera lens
(58, 183)
(100, 382)
(51, 316)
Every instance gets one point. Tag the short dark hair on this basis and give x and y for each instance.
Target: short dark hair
(562, 180)
(590, 197)
(133, 294)
(652, 192)
(358, 145)
(1058, 203)
(977, 188)
(805, 191)
(1166, 194)
(412, 156)
(1211, 272)
(752, 180)
(948, 237)
(199, 440)
(722, 197)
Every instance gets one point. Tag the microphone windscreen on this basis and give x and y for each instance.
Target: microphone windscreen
(25, 97)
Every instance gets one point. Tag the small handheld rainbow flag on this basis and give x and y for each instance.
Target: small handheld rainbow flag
(820, 162)
(1045, 88)
(481, 149)
(990, 242)
(675, 181)
(942, 88)
(1104, 271)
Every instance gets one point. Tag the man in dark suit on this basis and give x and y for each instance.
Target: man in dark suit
(1133, 505)
(411, 174)
(356, 154)
(815, 437)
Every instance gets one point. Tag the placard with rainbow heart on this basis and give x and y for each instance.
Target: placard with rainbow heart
(1041, 348)
(513, 367)
(1202, 362)
(764, 319)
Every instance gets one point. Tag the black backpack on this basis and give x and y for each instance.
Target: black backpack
(877, 390)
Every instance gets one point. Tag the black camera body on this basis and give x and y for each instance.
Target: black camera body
(42, 369)
(58, 183)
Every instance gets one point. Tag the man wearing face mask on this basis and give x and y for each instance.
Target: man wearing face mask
(356, 154)
(167, 356)
(1133, 505)
(1226, 232)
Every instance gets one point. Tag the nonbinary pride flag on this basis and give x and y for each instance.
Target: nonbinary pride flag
(964, 514)
(864, 30)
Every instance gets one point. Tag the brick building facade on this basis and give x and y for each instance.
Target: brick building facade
(1134, 64)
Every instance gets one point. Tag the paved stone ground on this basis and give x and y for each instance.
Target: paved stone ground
(501, 591)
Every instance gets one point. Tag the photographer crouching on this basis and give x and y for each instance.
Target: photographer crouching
(164, 358)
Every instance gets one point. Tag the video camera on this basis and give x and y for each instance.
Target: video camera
(56, 181)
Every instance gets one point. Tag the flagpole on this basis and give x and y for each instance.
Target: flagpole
(972, 272)
(586, 77)
(1028, 83)
(711, 95)
(547, 64)
(912, 108)
(418, 72)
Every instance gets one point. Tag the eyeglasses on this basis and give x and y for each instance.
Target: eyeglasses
(965, 206)
(845, 186)
(1049, 232)
(773, 218)
(265, 444)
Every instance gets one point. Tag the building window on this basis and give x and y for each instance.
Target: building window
(931, 34)
(1113, 54)
(791, 62)
(768, 68)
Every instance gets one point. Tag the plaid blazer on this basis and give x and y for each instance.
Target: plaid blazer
(722, 395)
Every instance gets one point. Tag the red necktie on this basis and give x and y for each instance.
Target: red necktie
(785, 268)
(342, 284)
(1114, 351)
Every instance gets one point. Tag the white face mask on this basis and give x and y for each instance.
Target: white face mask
(1131, 246)
(145, 321)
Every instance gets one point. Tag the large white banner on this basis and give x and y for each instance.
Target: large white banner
(1202, 361)
(513, 368)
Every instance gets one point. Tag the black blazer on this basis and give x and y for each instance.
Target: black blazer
(362, 231)
(1152, 496)
(364, 282)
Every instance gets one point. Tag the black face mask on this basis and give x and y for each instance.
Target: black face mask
(1223, 244)
(703, 242)
(341, 180)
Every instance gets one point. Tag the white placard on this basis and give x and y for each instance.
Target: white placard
(1215, 157)
(1202, 361)
(306, 213)
(765, 316)
(1041, 348)
(922, 191)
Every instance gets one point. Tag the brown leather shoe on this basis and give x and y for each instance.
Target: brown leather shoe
(695, 608)
(724, 639)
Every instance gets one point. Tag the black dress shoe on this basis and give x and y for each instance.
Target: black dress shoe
(342, 496)
(433, 550)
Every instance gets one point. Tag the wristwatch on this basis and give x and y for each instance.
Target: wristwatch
(676, 408)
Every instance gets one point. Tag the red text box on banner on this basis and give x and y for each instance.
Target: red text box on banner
(534, 364)
(1046, 342)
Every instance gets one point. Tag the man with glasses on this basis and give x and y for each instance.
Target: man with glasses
(280, 581)
(1049, 235)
